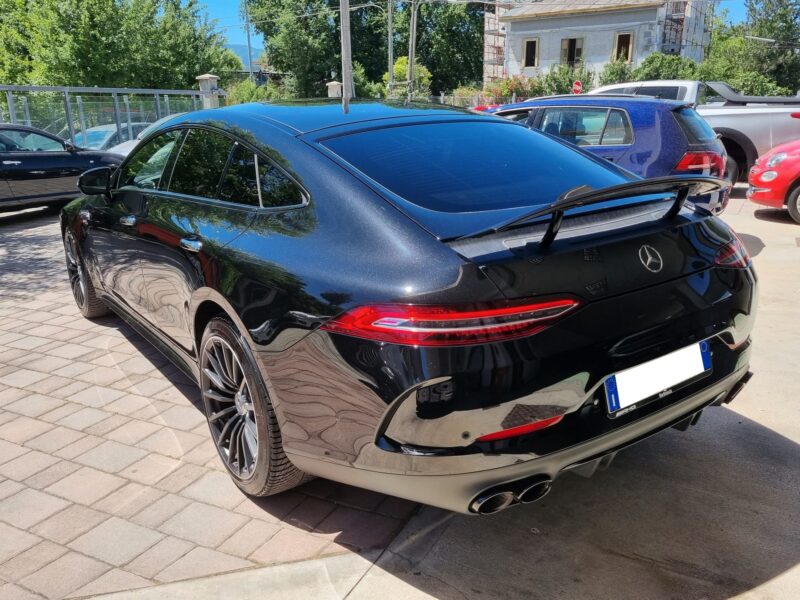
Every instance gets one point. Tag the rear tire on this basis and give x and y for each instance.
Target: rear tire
(240, 415)
(793, 204)
(83, 290)
(732, 171)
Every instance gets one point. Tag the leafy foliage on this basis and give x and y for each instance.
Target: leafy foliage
(665, 66)
(422, 76)
(616, 71)
(119, 43)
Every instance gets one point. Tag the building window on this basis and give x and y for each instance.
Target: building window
(530, 53)
(623, 47)
(571, 51)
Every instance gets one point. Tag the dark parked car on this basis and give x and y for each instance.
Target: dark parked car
(38, 168)
(647, 136)
(414, 299)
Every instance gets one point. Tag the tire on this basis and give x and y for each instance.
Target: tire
(793, 204)
(238, 420)
(732, 170)
(83, 290)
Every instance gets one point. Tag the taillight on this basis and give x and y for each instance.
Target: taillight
(733, 255)
(447, 325)
(504, 434)
(711, 163)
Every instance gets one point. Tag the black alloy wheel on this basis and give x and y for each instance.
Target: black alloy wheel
(240, 415)
(83, 290)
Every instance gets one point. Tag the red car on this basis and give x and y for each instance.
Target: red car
(775, 179)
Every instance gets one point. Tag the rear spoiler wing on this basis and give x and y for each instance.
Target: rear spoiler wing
(733, 98)
(681, 185)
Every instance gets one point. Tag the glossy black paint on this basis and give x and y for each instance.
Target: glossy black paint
(382, 415)
(36, 177)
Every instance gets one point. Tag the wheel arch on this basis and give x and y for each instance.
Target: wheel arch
(739, 147)
(207, 303)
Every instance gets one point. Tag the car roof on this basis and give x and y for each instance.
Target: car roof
(614, 101)
(305, 116)
(113, 126)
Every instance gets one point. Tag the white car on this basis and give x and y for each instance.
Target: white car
(125, 148)
(748, 126)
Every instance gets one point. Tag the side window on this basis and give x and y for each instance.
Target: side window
(200, 163)
(146, 166)
(515, 115)
(28, 141)
(240, 183)
(276, 187)
(580, 126)
(618, 130)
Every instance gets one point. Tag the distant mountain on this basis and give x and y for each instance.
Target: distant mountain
(240, 50)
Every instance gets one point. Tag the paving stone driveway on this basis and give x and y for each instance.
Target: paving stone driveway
(108, 478)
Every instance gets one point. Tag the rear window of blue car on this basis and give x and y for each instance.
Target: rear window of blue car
(694, 126)
(470, 166)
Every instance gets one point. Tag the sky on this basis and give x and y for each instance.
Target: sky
(226, 12)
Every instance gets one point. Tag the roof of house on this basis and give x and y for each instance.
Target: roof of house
(551, 8)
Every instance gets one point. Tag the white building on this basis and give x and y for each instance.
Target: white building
(528, 36)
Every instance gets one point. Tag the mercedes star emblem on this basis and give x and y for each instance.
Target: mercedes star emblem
(651, 259)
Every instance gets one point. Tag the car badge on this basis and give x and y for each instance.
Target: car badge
(651, 259)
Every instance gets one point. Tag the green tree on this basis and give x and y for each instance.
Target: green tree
(777, 20)
(121, 43)
(665, 66)
(616, 71)
(449, 42)
(422, 76)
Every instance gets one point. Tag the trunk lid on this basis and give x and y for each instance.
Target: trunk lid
(598, 255)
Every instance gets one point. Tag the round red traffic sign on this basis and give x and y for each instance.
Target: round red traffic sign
(577, 87)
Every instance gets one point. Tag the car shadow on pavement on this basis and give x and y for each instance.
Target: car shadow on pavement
(774, 215)
(709, 513)
(754, 244)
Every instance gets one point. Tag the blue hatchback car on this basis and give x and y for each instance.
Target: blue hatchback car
(647, 136)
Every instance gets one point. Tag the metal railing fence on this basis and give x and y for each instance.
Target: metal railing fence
(86, 115)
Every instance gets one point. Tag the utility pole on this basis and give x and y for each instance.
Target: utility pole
(249, 47)
(412, 45)
(347, 62)
(390, 40)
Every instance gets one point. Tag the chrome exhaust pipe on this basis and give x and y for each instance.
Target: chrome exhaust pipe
(492, 502)
(535, 491)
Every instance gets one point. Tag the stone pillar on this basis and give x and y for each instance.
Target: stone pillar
(334, 89)
(209, 90)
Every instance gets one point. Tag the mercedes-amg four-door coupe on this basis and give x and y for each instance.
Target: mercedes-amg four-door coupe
(418, 300)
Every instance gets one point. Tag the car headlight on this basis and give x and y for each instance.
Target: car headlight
(769, 175)
(776, 160)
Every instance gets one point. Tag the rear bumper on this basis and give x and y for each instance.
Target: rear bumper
(456, 491)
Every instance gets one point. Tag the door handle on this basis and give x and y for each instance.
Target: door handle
(191, 244)
(128, 220)
(12, 162)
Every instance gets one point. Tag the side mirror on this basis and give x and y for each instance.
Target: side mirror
(95, 181)
(69, 147)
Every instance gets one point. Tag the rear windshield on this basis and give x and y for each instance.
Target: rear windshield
(471, 166)
(665, 92)
(694, 126)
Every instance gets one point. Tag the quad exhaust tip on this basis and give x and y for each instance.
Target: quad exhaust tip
(493, 502)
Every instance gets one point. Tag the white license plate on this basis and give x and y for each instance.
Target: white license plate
(656, 377)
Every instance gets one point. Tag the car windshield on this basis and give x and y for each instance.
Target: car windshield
(93, 139)
(469, 166)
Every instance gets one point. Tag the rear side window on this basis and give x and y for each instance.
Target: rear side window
(467, 166)
(665, 92)
(694, 126)
(253, 180)
(515, 115)
(200, 163)
(588, 126)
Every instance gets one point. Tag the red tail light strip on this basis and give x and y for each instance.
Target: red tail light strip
(447, 325)
(710, 163)
(520, 430)
(733, 255)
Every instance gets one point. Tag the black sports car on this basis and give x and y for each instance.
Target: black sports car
(425, 302)
(39, 168)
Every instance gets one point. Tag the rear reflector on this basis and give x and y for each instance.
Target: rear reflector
(706, 163)
(448, 325)
(521, 430)
(733, 255)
